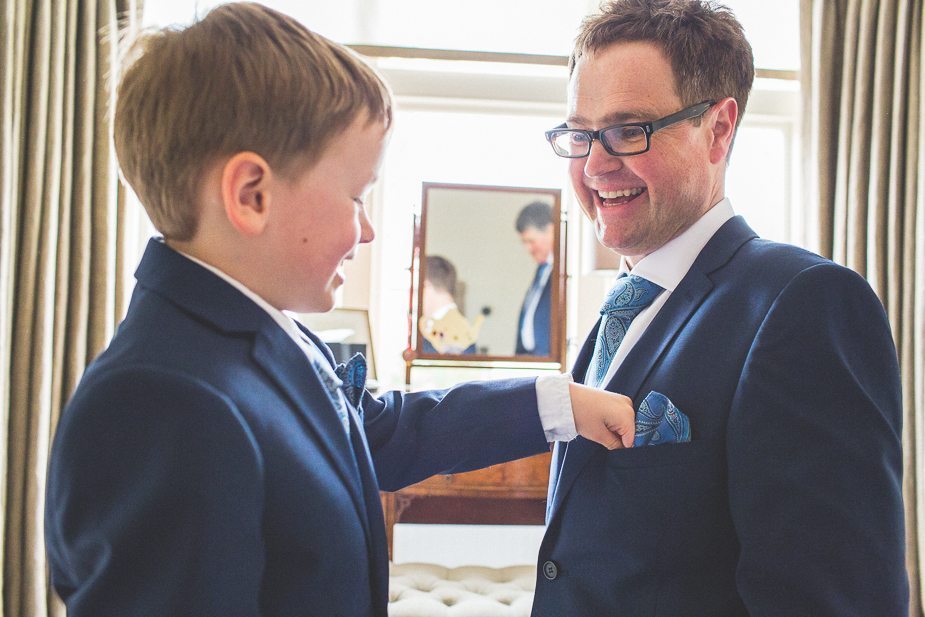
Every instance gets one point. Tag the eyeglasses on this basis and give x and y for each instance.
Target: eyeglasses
(620, 139)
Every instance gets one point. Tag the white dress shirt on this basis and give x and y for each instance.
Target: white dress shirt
(666, 267)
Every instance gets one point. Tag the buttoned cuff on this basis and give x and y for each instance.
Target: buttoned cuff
(555, 407)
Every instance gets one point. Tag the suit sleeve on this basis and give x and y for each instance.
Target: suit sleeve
(470, 426)
(151, 468)
(815, 455)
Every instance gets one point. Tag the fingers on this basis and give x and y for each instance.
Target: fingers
(627, 436)
(615, 439)
(604, 417)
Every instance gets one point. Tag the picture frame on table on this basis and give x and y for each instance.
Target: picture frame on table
(347, 332)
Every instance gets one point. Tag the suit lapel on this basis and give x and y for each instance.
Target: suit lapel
(374, 520)
(286, 364)
(361, 459)
(677, 311)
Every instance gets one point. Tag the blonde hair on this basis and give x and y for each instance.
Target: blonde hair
(244, 78)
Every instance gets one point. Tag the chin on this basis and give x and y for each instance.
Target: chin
(317, 303)
(323, 305)
(615, 244)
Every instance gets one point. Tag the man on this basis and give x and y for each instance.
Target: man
(787, 499)
(534, 225)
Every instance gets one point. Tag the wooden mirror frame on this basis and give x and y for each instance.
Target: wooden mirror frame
(557, 280)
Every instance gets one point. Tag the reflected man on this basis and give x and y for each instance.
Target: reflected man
(534, 224)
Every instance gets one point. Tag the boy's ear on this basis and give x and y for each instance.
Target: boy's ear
(246, 179)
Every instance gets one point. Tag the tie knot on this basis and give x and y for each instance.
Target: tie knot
(631, 292)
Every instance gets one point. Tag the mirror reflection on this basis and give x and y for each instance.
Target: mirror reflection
(534, 225)
(489, 277)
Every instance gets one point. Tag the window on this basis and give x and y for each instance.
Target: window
(514, 26)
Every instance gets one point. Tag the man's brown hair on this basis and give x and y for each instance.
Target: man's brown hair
(537, 214)
(702, 40)
(243, 78)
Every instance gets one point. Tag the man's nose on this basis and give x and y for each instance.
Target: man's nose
(599, 162)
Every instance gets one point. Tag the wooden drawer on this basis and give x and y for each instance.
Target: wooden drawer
(511, 493)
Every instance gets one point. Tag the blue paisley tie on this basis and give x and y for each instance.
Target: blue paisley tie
(625, 301)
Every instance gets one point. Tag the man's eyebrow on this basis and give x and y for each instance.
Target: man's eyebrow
(617, 117)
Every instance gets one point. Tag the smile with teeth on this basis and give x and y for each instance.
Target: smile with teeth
(620, 193)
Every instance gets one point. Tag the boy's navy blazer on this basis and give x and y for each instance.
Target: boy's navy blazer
(787, 501)
(201, 469)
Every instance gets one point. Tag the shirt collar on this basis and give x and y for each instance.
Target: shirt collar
(667, 265)
(441, 312)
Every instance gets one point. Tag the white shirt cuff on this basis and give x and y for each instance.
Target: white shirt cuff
(555, 407)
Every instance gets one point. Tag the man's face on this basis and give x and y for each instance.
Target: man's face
(638, 203)
(538, 242)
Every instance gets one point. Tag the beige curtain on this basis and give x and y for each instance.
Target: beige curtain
(61, 270)
(862, 82)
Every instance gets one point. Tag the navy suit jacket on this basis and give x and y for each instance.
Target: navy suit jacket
(541, 321)
(787, 500)
(201, 469)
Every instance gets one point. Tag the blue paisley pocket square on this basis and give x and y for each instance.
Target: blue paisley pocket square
(659, 421)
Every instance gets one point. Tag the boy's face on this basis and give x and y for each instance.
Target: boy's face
(318, 218)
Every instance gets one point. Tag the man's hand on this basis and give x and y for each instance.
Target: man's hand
(605, 417)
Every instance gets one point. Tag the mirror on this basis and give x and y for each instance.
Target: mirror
(489, 275)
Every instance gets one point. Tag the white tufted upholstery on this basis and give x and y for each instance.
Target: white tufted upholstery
(427, 590)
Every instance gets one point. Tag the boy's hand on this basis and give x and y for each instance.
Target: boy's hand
(605, 417)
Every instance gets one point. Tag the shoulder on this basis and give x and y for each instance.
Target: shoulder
(815, 304)
(788, 257)
(766, 263)
(802, 270)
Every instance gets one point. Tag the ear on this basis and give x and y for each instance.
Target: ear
(246, 179)
(725, 113)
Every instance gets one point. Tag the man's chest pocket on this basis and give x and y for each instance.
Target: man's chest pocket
(664, 455)
(657, 483)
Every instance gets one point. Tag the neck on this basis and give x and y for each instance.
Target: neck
(436, 301)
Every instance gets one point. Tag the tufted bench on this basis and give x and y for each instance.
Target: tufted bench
(428, 590)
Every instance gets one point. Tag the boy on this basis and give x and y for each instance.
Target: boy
(208, 463)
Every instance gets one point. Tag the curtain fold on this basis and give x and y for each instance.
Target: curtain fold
(60, 274)
(862, 85)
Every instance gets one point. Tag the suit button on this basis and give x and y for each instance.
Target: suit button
(550, 570)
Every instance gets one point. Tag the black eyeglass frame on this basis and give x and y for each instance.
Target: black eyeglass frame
(648, 128)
